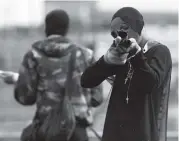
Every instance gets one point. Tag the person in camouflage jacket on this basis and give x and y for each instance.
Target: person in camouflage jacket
(46, 58)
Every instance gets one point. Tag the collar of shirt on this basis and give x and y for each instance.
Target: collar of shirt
(146, 48)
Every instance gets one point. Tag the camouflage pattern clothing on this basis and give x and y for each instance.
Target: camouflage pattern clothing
(43, 72)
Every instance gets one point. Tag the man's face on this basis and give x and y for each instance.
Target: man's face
(118, 24)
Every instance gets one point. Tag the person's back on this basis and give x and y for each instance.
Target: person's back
(43, 73)
(51, 57)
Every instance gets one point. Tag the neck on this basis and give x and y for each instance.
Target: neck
(142, 41)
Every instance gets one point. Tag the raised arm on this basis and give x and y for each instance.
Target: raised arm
(97, 73)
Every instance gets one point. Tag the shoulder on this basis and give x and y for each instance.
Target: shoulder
(84, 52)
(159, 50)
(29, 59)
(158, 47)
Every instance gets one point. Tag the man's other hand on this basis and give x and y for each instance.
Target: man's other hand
(134, 48)
(115, 57)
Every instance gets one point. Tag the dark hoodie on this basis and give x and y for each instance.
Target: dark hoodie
(43, 73)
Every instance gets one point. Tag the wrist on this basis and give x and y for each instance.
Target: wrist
(106, 59)
(134, 52)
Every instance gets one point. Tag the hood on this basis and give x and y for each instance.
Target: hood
(53, 46)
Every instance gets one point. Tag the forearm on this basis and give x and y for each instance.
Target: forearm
(97, 73)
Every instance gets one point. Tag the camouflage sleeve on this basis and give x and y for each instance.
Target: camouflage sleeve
(25, 87)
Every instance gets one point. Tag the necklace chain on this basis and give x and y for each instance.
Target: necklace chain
(129, 77)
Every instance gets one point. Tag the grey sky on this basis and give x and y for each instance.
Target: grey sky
(143, 5)
(24, 12)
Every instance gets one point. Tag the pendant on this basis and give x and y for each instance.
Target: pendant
(127, 100)
(125, 80)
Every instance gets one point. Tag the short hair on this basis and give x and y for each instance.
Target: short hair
(56, 22)
(132, 17)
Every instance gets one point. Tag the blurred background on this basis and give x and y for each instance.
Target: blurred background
(21, 24)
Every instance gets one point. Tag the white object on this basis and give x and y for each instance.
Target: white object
(4, 74)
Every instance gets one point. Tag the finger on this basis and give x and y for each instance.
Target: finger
(121, 49)
(128, 49)
(117, 40)
(124, 49)
(133, 45)
(133, 40)
(135, 48)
